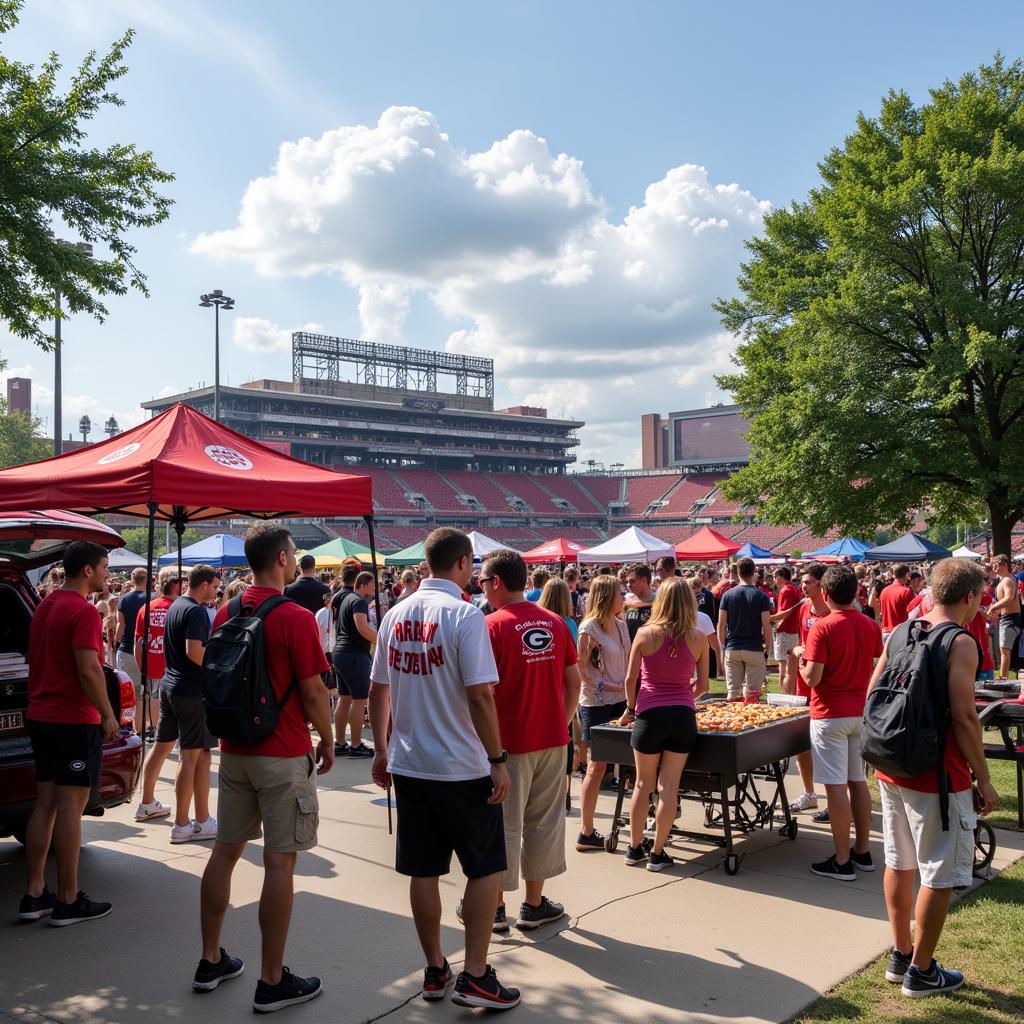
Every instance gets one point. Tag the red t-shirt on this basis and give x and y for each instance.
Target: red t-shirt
(789, 597)
(807, 618)
(64, 623)
(846, 642)
(720, 588)
(155, 664)
(532, 648)
(895, 604)
(293, 651)
(978, 628)
(957, 768)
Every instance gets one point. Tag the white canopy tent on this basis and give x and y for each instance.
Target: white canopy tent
(965, 552)
(484, 545)
(632, 545)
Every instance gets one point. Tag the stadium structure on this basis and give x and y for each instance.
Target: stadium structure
(423, 425)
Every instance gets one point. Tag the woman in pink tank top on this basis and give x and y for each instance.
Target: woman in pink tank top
(666, 654)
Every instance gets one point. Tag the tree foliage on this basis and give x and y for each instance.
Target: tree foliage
(20, 439)
(53, 182)
(136, 538)
(882, 356)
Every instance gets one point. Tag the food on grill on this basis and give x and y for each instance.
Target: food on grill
(741, 717)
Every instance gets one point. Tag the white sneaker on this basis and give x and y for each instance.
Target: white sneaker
(145, 812)
(804, 802)
(205, 829)
(183, 833)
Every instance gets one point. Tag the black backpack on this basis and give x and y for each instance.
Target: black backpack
(238, 696)
(906, 717)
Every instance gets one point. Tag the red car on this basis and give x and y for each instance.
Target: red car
(31, 540)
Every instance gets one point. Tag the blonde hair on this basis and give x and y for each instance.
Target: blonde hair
(601, 600)
(232, 590)
(555, 597)
(675, 610)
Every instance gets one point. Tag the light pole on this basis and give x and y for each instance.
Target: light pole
(86, 249)
(111, 427)
(219, 301)
(85, 428)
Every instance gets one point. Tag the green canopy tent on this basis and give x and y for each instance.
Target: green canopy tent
(412, 555)
(340, 549)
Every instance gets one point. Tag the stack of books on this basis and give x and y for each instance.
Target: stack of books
(13, 665)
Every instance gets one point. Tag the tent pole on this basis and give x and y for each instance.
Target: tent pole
(376, 578)
(144, 667)
(179, 529)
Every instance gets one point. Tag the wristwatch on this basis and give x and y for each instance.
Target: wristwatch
(500, 759)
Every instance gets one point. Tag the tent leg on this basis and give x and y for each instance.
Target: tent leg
(376, 578)
(179, 529)
(144, 667)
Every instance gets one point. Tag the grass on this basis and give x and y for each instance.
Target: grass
(984, 937)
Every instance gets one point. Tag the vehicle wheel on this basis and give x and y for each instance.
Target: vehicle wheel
(984, 846)
(611, 841)
(790, 830)
(732, 863)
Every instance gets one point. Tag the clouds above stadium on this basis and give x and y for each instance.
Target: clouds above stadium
(580, 311)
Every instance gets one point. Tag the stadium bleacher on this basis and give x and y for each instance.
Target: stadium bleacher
(433, 486)
(486, 491)
(604, 489)
(388, 493)
(681, 499)
(523, 486)
(769, 537)
(641, 491)
(566, 488)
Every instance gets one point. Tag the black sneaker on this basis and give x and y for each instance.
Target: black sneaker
(831, 868)
(659, 861)
(83, 909)
(486, 992)
(595, 841)
(899, 964)
(32, 908)
(361, 751)
(340, 749)
(862, 861)
(635, 855)
(436, 981)
(209, 976)
(289, 991)
(934, 982)
(500, 920)
(533, 917)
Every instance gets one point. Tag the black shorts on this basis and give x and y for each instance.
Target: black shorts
(65, 754)
(602, 714)
(353, 673)
(184, 719)
(672, 728)
(437, 819)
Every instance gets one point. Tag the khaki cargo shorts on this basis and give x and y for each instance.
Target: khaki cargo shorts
(278, 793)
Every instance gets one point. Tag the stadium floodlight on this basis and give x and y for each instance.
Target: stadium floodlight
(219, 301)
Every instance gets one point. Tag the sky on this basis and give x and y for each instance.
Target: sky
(564, 187)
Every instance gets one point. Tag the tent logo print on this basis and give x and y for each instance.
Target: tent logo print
(118, 454)
(227, 457)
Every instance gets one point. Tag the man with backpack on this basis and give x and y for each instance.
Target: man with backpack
(265, 653)
(926, 678)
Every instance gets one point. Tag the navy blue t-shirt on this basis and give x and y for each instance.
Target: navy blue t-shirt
(743, 606)
(129, 608)
(186, 620)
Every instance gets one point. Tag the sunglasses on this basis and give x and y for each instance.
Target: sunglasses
(486, 579)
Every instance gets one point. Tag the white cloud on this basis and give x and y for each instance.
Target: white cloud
(595, 318)
(255, 334)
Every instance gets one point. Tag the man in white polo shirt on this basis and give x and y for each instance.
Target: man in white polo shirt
(431, 680)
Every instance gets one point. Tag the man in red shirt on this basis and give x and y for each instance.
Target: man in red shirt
(911, 819)
(786, 621)
(69, 719)
(895, 601)
(169, 584)
(272, 783)
(838, 659)
(536, 696)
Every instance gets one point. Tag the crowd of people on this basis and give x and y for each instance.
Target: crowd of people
(481, 685)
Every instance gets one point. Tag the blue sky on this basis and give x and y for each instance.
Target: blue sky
(552, 191)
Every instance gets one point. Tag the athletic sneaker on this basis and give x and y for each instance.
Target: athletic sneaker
(831, 868)
(862, 861)
(289, 991)
(145, 812)
(205, 829)
(500, 920)
(934, 982)
(340, 749)
(209, 976)
(635, 855)
(595, 841)
(361, 751)
(659, 861)
(821, 817)
(899, 964)
(183, 833)
(437, 981)
(544, 913)
(83, 909)
(804, 802)
(32, 908)
(486, 992)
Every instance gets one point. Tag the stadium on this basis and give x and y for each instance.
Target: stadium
(423, 426)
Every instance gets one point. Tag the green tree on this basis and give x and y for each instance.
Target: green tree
(20, 440)
(52, 181)
(136, 538)
(882, 356)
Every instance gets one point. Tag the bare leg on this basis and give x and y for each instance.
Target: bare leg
(425, 899)
(38, 836)
(1004, 662)
(840, 817)
(275, 912)
(67, 834)
(792, 670)
(151, 772)
(588, 796)
(215, 894)
(341, 718)
(534, 893)
(668, 794)
(184, 784)
(646, 781)
(899, 898)
(860, 805)
(201, 792)
(355, 721)
(154, 712)
(929, 918)
(479, 902)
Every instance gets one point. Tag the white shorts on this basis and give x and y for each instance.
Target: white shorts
(914, 840)
(835, 750)
(783, 645)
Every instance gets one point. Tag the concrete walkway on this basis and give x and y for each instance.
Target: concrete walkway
(691, 944)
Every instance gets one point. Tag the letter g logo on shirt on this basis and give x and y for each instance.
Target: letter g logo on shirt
(537, 640)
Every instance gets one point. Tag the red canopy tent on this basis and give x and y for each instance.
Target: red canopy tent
(559, 550)
(706, 543)
(182, 467)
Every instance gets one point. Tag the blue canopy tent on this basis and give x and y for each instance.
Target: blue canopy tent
(755, 552)
(911, 547)
(222, 551)
(845, 547)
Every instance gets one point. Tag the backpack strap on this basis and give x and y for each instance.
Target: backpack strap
(261, 613)
(235, 606)
(940, 641)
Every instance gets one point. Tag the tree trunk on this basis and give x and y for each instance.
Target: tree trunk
(1002, 526)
